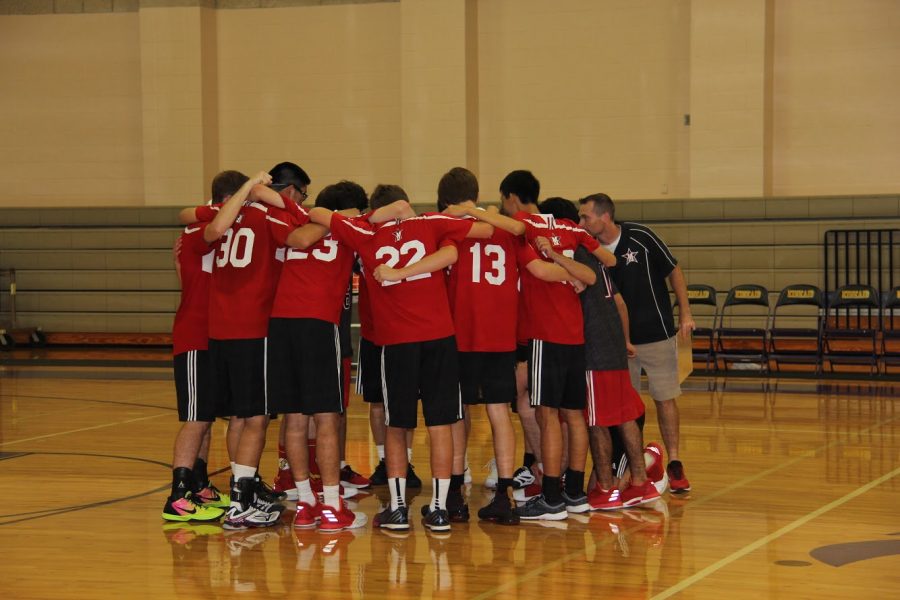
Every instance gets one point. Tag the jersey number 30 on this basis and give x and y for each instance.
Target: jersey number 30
(236, 248)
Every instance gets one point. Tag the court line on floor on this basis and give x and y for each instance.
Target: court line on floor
(703, 573)
(49, 435)
(705, 499)
(119, 402)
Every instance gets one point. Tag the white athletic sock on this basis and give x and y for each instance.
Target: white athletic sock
(439, 493)
(409, 454)
(397, 486)
(242, 471)
(233, 464)
(332, 495)
(305, 493)
(380, 451)
(343, 464)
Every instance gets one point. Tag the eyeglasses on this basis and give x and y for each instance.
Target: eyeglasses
(279, 187)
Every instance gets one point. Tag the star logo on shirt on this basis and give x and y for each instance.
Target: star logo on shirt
(554, 240)
(398, 235)
(630, 257)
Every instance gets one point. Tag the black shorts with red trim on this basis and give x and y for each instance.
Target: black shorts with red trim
(196, 400)
(556, 375)
(303, 371)
(238, 374)
(427, 370)
(487, 377)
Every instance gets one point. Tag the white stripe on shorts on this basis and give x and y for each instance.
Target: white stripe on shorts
(359, 369)
(537, 347)
(191, 362)
(387, 412)
(337, 352)
(592, 414)
(265, 374)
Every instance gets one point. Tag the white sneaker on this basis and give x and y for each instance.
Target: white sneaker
(491, 481)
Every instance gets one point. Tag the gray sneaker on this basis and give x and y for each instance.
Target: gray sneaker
(577, 503)
(539, 509)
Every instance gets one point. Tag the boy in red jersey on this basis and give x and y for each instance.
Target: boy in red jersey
(483, 285)
(193, 498)
(413, 322)
(304, 354)
(554, 326)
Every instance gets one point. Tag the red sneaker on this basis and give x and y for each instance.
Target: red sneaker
(352, 479)
(653, 458)
(678, 482)
(307, 515)
(639, 494)
(601, 499)
(337, 519)
(284, 481)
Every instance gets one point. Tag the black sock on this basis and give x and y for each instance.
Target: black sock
(456, 482)
(182, 480)
(574, 482)
(503, 485)
(529, 459)
(550, 489)
(201, 477)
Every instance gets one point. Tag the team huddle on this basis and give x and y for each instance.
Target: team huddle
(551, 309)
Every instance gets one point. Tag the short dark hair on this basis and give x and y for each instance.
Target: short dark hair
(287, 173)
(343, 195)
(457, 185)
(523, 184)
(561, 208)
(602, 204)
(226, 184)
(384, 194)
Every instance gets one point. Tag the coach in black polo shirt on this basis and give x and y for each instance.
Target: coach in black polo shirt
(643, 265)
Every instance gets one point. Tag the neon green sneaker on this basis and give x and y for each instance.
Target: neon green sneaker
(212, 496)
(186, 509)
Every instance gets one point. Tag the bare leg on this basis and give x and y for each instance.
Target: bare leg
(327, 450)
(634, 451)
(504, 439)
(601, 454)
(253, 440)
(458, 432)
(376, 422)
(442, 452)
(233, 436)
(551, 440)
(204, 444)
(527, 414)
(188, 442)
(296, 429)
(395, 452)
(668, 419)
(578, 439)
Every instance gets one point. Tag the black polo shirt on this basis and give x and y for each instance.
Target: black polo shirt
(643, 262)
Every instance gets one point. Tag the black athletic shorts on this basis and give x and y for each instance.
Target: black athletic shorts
(427, 370)
(368, 372)
(619, 458)
(522, 352)
(239, 376)
(556, 375)
(303, 367)
(487, 377)
(196, 401)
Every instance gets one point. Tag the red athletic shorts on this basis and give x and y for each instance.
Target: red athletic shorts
(611, 399)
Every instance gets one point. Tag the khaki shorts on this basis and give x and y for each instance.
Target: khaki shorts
(660, 361)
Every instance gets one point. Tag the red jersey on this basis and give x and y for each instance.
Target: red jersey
(313, 282)
(552, 309)
(190, 330)
(248, 263)
(415, 309)
(484, 291)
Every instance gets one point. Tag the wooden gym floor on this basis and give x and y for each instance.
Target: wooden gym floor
(795, 496)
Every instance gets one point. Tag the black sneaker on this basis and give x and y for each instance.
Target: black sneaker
(522, 478)
(577, 503)
(499, 511)
(412, 480)
(539, 509)
(436, 520)
(396, 520)
(266, 493)
(457, 508)
(379, 475)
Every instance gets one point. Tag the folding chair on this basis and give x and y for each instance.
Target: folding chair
(850, 335)
(704, 308)
(795, 331)
(741, 342)
(890, 329)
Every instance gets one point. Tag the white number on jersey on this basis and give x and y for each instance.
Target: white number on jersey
(327, 255)
(497, 273)
(236, 249)
(393, 255)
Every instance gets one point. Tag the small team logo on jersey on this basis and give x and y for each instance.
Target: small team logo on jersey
(239, 219)
(554, 240)
(630, 257)
(398, 235)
